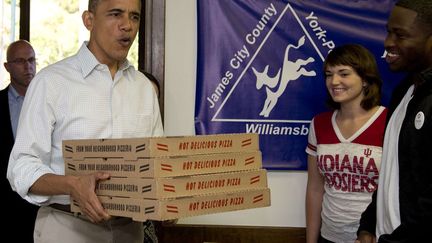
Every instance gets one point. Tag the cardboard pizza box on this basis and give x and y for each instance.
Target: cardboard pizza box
(166, 166)
(162, 188)
(133, 148)
(150, 209)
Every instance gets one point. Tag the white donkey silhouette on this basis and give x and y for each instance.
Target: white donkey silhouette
(290, 71)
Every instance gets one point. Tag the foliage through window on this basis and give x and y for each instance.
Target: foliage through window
(9, 31)
(59, 32)
(56, 31)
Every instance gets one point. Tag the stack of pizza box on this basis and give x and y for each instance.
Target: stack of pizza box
(161, 178)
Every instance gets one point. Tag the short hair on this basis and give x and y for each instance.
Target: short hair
(14, 45)
(92, 4)
(423, 8)
(364, 64)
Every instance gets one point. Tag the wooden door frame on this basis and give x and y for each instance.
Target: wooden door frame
(151, 37)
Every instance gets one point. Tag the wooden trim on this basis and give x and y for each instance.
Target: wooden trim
(229, 234)
(151, 54)
(24, 29)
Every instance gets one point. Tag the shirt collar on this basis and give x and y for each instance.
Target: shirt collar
(125, 65)
(88, 61)
(12, 91)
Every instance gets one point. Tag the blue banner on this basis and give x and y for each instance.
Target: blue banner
(260, 66)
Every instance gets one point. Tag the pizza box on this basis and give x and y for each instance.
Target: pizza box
(151, 209)
(166, 166)
(161, 188)
(133, 148)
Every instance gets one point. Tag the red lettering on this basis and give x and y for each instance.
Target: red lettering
(336, 159)
(364, 183)
(371, 167)
(328, 163)
(193, 206)
(355, 184)
(358, 165)
(337, 181)
(373, 184)
(348, 182)
(346, 164)
(328, 179)
(345, 182)
(183, 145)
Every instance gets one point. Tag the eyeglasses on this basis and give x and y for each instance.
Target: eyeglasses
(22, 61)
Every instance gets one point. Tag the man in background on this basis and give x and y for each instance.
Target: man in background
(21, 65)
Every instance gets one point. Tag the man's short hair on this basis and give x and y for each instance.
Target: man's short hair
(92, 4)
(423, 8)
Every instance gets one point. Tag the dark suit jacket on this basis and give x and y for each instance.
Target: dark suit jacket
(18, 214)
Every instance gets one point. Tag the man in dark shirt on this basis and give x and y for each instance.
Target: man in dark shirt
(21, 65)
(401, 209)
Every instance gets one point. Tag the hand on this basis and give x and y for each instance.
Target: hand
(365, 237)
(84, 193)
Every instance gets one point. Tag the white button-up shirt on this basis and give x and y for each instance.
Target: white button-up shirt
(77, 98)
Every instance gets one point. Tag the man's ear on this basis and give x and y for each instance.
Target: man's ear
(87, 18)
(6, 65)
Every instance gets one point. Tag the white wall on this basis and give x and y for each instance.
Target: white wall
(287, 187)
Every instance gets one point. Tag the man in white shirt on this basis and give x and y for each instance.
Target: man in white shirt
(96, 93)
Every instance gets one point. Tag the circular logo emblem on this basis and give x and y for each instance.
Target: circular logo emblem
(419, 120)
